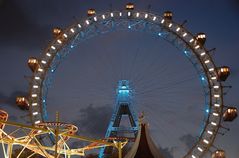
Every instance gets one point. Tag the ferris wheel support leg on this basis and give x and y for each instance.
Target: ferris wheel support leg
(9, 150)
(4, 149)
(120, 150)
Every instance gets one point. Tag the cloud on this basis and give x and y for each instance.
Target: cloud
(188, 140)
(166, 152)
(11, 99)
(93, 121)
(17, 29)
(3, 99)
(8, 104)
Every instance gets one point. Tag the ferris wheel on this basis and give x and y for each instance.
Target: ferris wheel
(130, 19)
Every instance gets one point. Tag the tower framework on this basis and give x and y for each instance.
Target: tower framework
(123, 108)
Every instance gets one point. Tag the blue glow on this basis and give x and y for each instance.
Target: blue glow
(160, 34)
(185, 52)
(124, 91)
(43, 100)
(123, 87)
(72, 46)
(202, 78)
(129, 27)
(52, 70)
(207, 110)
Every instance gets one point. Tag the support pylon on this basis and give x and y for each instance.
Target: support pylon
(123, 107)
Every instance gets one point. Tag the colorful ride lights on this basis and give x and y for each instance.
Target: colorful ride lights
(230, 114)
(223, 73)
(168, 15)
(91, 12)
(3, 117)
(33, 64)
(129, 6)
(22, 103)
(201, 38)
(219, 154)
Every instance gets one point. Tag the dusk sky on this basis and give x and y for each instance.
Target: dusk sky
(166, 85)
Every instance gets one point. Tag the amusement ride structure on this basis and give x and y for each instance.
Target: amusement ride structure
(35, 137)
(123, 107)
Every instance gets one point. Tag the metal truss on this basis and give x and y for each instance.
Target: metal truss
(62, 133)
(123, 107)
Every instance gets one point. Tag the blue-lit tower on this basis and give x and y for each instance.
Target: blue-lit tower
(123, 108)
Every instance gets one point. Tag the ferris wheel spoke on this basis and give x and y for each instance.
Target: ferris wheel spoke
(168, 85)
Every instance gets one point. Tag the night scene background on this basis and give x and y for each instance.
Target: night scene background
(166, 85)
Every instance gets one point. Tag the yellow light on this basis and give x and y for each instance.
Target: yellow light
(217, 105)
(72, 30)
(137, 15)
(91, 12)
(34, 95)
(59, 41)
(40, 70)
(53, 47)
(206, 141)
(129, 13)
(146, 16)
(209, 132)
(37, 78)
(65, 35)
(34, 104)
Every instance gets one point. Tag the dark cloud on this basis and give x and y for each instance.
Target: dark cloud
(17, 29)
(166, 152)
(11, 99)
(188, 140)
(93, 121)
(3, 98)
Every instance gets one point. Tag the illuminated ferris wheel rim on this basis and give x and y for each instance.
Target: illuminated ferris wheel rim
(133, 20)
